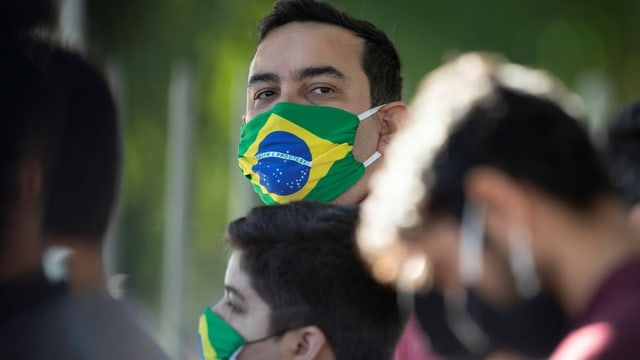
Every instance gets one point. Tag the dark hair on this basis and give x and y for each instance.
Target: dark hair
(623, 151)
(31, 119)
(380, 60)
(85, 176)
(302, 261)
(479, 110)
(528, 137)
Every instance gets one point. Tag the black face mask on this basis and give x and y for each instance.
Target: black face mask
(468, 327)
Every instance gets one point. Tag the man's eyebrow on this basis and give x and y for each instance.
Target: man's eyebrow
(312, 71)
(263, 77)
(234, 292)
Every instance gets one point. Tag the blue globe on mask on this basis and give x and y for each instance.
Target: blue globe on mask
(280, 150)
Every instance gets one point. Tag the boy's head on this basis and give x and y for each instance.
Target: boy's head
(295, 287)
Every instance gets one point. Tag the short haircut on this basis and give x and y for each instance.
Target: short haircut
(380, 60)
(31, 119)
(85, 177)
(301, 260)
(623, 151)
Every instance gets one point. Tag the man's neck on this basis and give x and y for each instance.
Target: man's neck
(85, 262)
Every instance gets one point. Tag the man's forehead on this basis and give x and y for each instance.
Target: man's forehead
(296, 46)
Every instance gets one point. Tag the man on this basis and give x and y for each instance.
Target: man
(31, 117)
(86, 173)
(623, 155)
(310, 53)
(41, 318)
(296, 289)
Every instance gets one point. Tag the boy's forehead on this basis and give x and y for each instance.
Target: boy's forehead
(234, 275)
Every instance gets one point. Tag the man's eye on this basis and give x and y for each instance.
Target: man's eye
(321, 90)
(264, 94)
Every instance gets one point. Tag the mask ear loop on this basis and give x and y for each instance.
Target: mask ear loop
(234, 356)
(376, 155)
(463, 326)
(522, 263)
(370, 112)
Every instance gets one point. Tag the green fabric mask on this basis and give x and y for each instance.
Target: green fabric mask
(294, 152)
(218, 340)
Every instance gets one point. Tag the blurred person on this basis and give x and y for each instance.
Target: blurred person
(513, 204)
(323, 101)
(84, 183)
(44, 319)
(31, 117)
(623, 156)
(295, 288)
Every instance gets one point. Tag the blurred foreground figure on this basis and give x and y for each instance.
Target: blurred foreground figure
(295, 288)
(623, 157)
(495, 195)
(41, 318)
(85, 176)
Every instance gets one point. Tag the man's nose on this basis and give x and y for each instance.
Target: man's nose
(292, 97)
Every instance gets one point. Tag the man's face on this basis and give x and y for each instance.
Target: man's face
(315, 64)
(243, 309)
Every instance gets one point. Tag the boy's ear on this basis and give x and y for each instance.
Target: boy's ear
(393, 116)
(306, 343)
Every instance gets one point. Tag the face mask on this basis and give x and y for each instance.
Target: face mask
(464, 325)
(294, 152)
(220, 341)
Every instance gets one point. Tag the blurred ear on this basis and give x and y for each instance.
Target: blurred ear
(244, 119)
(507, 201)
(306, 343)
(393, 117)
(29, 182)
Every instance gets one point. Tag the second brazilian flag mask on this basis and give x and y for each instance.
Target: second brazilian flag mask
(294, 152)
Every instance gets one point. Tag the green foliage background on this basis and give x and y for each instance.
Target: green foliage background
(145, 38)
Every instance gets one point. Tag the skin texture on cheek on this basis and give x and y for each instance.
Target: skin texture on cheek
(242, 307)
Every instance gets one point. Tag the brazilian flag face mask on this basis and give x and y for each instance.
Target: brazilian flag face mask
(220, 341)
(294, 152)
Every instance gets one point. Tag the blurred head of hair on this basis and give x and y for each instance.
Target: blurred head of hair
(476, 110)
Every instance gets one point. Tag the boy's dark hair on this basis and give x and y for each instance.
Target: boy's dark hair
(623, 151)
(302, 261)
(31, 119)
(380, 60)
(85, 177)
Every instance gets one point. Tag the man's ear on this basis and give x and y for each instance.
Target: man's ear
(307, 343)
(29, 182)
(507, 202)
(244, 119)
(393, 117)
